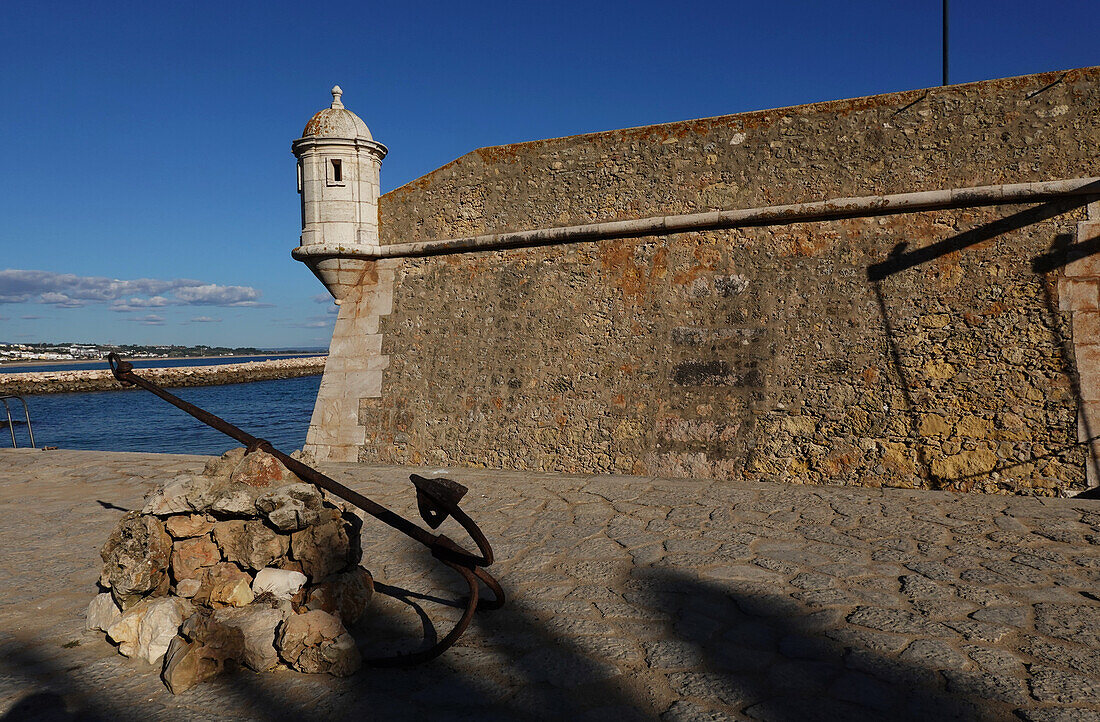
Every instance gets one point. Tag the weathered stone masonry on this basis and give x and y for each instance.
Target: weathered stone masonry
(770, 352)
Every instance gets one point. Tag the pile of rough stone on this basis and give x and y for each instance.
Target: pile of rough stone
(243, 564)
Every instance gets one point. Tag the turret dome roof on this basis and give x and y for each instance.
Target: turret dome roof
(336, 121)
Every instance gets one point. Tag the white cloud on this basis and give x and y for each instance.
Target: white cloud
(67, 290)
(205, 319)
(211, 294)
(136, 303)
(150, 320)
(20, 286)
(60, 300)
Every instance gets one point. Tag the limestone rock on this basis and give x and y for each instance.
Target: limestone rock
(188, 588)
(224, 465)
(232, 498)
(256, 624)
(235, 594)
(251, 544)
(316, 642)
(261, 469)
(306, 457)
(347, 596)
(102, 613)
(325, 549)
(218, 641)
(231, 483)
(171, 497)
(187, 664)
(190, 556)
(182, 494)
(224, 585)
(135, 560)
(146, 629)
(281, 583)
(292, 507)
(345, 508)
(185, 526)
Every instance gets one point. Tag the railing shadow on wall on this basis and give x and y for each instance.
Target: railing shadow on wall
(1061, 253)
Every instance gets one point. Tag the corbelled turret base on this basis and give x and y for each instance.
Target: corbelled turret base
(364, 290)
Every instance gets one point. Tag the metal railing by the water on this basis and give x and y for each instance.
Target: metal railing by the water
(11, 424)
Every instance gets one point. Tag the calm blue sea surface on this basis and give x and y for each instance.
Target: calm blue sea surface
(278, 411)
(146, 363)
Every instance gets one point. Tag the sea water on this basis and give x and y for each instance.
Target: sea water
(136, 420)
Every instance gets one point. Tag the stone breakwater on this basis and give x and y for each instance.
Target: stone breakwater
(56, 382)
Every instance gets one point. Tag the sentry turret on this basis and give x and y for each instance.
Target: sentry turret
(338, 170)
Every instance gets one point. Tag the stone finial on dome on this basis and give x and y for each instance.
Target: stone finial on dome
(336, 93)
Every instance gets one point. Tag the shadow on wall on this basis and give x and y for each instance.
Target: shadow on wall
(1062, 252)
(711, 651)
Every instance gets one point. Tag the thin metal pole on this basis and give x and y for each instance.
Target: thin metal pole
(11, 424)
(945, 42)
(27, 413)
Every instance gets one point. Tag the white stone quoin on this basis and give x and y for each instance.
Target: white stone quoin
(338, 169)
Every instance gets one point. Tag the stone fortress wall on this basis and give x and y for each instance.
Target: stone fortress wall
(940, 349)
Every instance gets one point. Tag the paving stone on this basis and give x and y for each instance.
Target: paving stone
(1085, 660)
(865, 639)
(1060, 687)
(1007, 616)
(943, 610)
(708, 685)
(918, 586)
(826, 597)
(797, 646)
(1075, 623)
(1059, 714)
(685, 711)
(935, 654)
(936, 571)
(986, 685)
(983, 596)
(895, 621)
(864, 690)
(776, 565)
(806, 603)
(811, 708)
(813, 581)
(670, 654)
(973, 630)
(994, 660)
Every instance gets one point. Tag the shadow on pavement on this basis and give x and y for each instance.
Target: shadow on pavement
(772, 658)
(752, 654)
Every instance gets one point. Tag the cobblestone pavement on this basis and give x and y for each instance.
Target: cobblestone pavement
(631, 598)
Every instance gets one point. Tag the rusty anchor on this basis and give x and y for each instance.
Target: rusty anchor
(436, 499)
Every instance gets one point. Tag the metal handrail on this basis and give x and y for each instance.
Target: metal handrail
(11, 424)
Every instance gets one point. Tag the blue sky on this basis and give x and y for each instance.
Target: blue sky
(148, 190)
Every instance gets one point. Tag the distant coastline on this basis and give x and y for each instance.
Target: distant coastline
(153, 359)
(54, 382)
